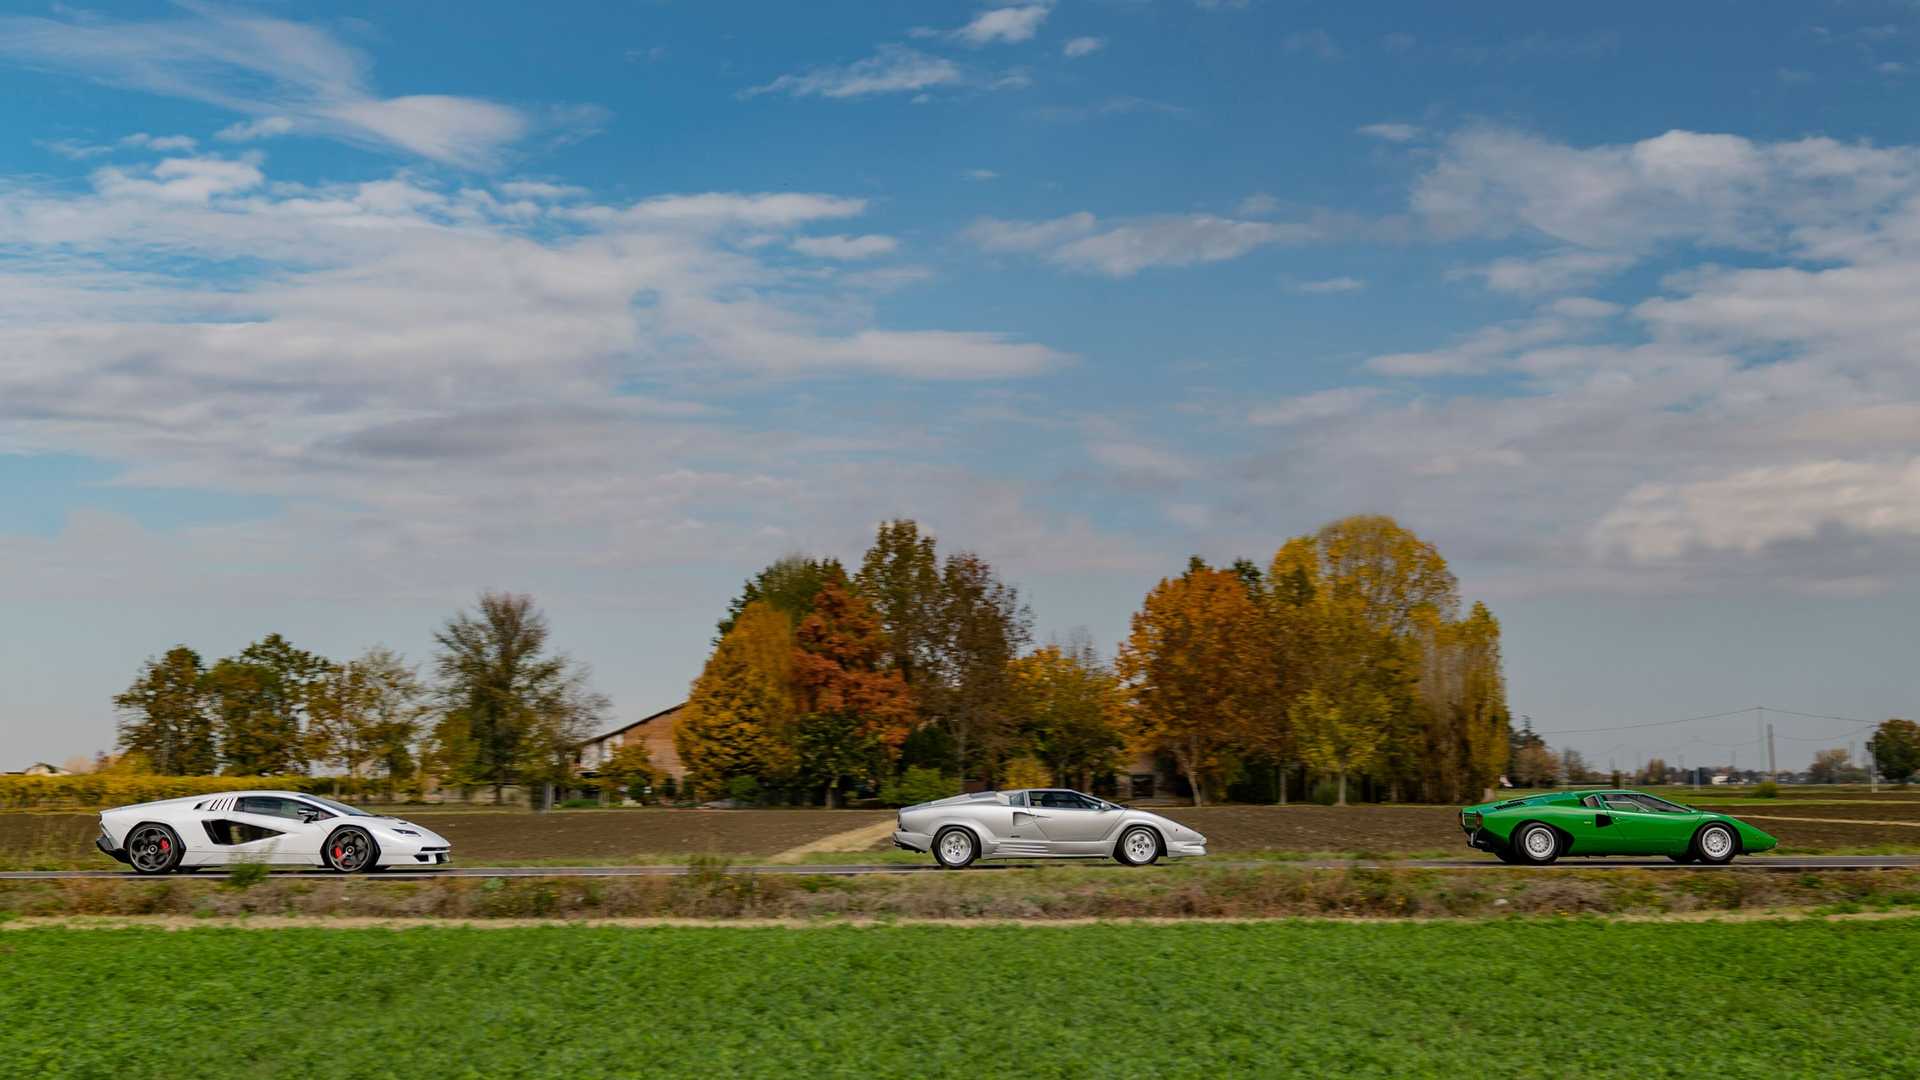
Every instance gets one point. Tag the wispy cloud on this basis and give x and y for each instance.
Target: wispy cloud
(1082, 46)
(1125, 247)
(1004, 24)
(1391, 132)
(289, 75)
(1317, 43)
(894, 69)
(845, 247)
(1331, 285)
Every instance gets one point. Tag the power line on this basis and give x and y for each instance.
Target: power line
(1863, 724)
(1652, 724)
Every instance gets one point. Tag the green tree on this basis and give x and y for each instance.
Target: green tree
(629, 769)
(1070, 709)
(364, 715)
(1895, 747)
(164, 715)
(787, 585)
(900, 577)
(261, 698)
(983, 626)
(518, 711)
(740, 716)
(1340, 736)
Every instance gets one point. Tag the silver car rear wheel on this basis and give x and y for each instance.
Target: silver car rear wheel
(955, 848)
(1138, 847)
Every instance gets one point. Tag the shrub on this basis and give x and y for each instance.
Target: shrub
(917, 785)
(580, 804)
(246, 875)
(1325, 792)
(743, 789)
(1766, 789)
(1025, 772)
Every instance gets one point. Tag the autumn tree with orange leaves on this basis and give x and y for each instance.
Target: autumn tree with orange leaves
(853, 712)
(1197, 663)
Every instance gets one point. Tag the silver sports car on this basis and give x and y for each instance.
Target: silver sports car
(278, 828)
(1040, 823)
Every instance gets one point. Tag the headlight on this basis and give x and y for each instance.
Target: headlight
(405, 832)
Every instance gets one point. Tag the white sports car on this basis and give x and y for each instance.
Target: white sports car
(1040, 823)
(278, 828)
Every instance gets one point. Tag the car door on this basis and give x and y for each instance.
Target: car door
(1670, 825)
(1637, 829)
(1074, 824)
(1023, 835)
(275, 829)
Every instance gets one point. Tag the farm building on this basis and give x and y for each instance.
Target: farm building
(655, 731)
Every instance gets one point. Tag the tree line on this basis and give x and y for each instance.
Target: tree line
(1346, 657)
(499, 708)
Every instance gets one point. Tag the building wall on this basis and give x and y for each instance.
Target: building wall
(656, 733)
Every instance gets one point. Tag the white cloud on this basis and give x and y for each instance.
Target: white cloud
(894, 69)
(1082, 46)
(286, 75)
(181, 179)
(1140, 460)
(1004, 24)
(1331, 285)
(1754, 509)
(981, 174)
(1559, 271)
(1391, 132)
(267, 127)
(844, 247)
(1125, 247)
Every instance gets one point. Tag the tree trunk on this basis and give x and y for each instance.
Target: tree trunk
(1342, 800)
(833, 793)
(496, 794)
(1280, 771)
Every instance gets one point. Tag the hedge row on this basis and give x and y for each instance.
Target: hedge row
(112, 789)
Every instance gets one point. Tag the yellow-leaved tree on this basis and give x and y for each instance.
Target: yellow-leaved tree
(739, 718)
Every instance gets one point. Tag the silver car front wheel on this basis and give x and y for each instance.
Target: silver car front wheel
(955, 848)
(1138, 847)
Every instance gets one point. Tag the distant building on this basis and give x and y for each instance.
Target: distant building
(655, 732)
(41, 768)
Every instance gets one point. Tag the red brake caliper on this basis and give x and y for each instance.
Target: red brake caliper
(336, 851)
(164, 846)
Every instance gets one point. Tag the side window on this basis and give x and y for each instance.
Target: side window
(305, 809)
(1593, 801)
(1626, 803)
(270, 804)
(1073, 800)
(1018, 798)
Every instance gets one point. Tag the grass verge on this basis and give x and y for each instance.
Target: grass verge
(715, 891)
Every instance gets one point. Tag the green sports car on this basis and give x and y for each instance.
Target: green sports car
(1538, 829)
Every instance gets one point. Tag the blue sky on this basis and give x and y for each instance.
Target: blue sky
(320, 323)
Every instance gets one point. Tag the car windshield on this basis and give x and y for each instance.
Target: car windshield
(1660, 805)
(337, 807)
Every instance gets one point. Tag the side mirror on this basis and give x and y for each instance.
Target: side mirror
(309, 816)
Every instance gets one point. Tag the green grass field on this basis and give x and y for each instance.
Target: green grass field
(1523, 998)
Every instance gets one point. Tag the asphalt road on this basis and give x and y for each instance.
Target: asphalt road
(1759, 863)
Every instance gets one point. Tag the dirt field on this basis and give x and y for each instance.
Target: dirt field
(56, 840)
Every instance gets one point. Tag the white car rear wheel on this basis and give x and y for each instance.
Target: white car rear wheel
(153, 848)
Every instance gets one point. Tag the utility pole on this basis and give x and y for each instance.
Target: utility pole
(1773, 770)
